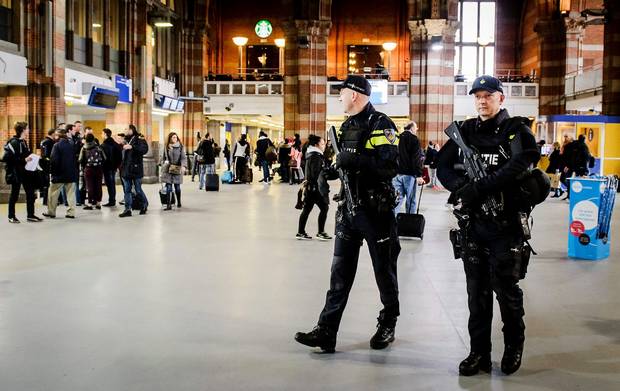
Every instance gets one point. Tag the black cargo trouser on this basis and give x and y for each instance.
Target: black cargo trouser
(498, 271)
(379, 232)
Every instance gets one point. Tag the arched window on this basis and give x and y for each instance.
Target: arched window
(475, 40)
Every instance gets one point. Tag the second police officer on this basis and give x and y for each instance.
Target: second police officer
(369, 157)
(493, 248)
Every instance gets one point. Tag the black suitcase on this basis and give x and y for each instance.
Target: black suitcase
(163, 197)
(212, 182)
(411, 225)
(248, 175)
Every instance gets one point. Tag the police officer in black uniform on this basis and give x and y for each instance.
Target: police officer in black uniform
(493, 248)
(369, 160)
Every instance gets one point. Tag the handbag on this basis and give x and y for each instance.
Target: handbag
(175, 169)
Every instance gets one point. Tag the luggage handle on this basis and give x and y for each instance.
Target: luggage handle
(420, 198)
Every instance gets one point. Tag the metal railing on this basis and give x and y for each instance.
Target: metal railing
(584, 81)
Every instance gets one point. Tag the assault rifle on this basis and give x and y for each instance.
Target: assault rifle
(342, 174)
(475, 166)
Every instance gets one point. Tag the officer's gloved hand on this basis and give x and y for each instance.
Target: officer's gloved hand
(468, 194)
(347, 160)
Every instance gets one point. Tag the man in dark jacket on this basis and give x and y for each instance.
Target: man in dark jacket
(581, 156)
(262, 144)
(16, 156)
(64, 175)
(205, 159)
(284, 157)
(409, 168)
(73, 135)
(46, 152)
(492, 244)
(132, 169)
(113, 151)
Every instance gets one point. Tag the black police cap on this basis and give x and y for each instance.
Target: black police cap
(357, 84)
(486, 83)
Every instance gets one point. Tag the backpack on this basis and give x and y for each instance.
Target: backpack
(94, 157)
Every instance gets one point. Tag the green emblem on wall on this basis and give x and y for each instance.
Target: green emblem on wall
(263, 28)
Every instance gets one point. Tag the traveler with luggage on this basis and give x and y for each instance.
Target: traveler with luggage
(173, 163)
(206, 159)
(367, 162)
(241, 156)
(284, 157)
(410, 161)
(92, 159)
(430, 162)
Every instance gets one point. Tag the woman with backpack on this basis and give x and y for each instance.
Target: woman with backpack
(92, 158)
(173, 166)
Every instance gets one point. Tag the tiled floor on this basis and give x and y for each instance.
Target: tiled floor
(209, 297)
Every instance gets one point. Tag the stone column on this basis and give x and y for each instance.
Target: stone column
(552, 34)
(192, 80)
(611, 61)
(575, 29)
(41, 102)
(305, 79)
(431, 92)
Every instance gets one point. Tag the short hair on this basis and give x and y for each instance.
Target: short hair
(61, 125)
(62, 132)
(410, 125)
(107, 132)
(90, 138)
(313, 139)
(51, 132)
(77, 122)
(582, 137)
(68, 128)
(19, 127)
(87, 128)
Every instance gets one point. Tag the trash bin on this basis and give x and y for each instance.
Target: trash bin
(591, 205)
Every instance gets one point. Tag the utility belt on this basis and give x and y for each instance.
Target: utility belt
(467, 248)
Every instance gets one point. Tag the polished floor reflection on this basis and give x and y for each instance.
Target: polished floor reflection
(209, 297)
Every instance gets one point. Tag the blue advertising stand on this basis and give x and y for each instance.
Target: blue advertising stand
(583, 230)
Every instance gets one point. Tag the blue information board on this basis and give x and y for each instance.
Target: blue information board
(125, 89)
(584, 239)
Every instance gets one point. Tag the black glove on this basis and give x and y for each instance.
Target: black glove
(347, 160)
(468, 194)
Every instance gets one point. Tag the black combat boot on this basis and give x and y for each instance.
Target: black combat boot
(511, 362)
(382, 338)
(320, 337)
(474, 363)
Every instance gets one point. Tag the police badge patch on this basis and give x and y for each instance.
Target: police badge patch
(390, 135)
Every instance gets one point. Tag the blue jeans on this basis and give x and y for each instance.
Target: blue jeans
(205, 169)
(137, 185)
(405, 186)
(265, 166)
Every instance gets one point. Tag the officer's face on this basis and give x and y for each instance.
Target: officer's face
(488, 103)
(347, 97)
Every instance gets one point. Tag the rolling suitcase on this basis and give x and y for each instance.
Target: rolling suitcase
(163, 197)
(248, 175)
(212, 182)
(411, 225)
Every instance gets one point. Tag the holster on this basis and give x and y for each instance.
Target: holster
(381, 199)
